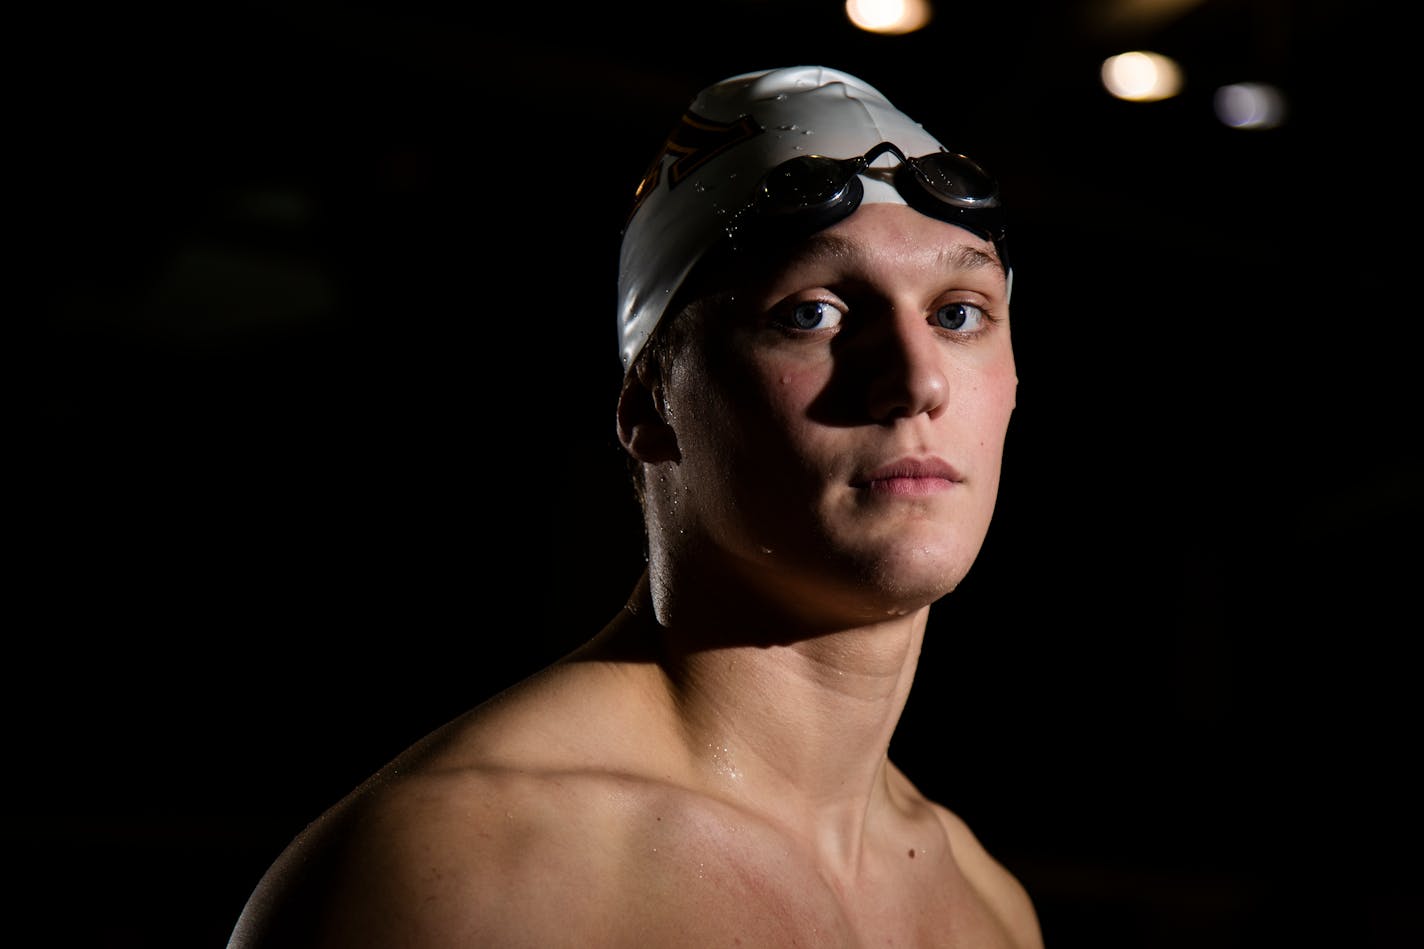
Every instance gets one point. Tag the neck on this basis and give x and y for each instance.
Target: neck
(794, 725)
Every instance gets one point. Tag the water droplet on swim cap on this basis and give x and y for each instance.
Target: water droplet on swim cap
(732, 133)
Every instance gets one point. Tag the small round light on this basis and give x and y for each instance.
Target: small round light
(1141, 76)
(1250, 105)
(892, 17)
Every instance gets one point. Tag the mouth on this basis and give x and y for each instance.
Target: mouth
(911, 477)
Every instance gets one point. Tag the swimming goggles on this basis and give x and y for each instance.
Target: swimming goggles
(807, 193)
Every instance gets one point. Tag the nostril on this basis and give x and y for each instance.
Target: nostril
(908, 375)
(912, 389)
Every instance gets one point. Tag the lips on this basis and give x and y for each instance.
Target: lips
(911, 476)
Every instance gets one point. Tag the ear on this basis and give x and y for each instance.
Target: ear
(642, 424)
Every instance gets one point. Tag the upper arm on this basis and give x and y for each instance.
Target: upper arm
(999, 888)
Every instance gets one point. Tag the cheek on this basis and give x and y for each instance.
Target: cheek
(740, 419)
(773, 453)
(789, 391)
(768, 395)
(1001, 389)
(990, 392)
(778, 411)
(993, 405)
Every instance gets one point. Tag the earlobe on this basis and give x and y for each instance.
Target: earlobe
(642, 427)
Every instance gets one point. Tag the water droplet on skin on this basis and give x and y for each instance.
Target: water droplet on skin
(722, 764)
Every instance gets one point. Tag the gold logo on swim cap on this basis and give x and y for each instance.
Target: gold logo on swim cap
(694, 141)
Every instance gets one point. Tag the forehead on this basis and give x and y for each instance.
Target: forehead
(892, 242)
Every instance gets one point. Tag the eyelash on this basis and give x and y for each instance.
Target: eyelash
(985, 317)
(784, 320)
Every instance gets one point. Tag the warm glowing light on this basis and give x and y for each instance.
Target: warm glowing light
(1141, 76)
(1250, 105)
(889, 16)
(1140, 16)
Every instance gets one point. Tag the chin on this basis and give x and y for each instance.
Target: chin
(923, 554)
(910, 579)
(922, 583)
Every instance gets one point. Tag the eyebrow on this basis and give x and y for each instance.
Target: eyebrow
(958, 256)
(964, 257)
(824, 247)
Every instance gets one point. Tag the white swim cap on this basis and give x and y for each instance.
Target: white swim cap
(731, 135)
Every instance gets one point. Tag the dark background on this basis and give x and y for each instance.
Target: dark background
(319, 447)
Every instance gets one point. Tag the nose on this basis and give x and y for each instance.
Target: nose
(907, 370)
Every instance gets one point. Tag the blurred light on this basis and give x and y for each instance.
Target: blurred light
(893, 17)
(1141, 76)
(1250, 105)
(1138, 16)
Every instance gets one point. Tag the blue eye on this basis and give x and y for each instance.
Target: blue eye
(959, 316)
(814, 315)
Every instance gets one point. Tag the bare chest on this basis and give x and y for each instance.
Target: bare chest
(751, 888)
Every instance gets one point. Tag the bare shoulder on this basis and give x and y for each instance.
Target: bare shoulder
(443, 859)
(1004, 893)
(510, 826)
(506, 858)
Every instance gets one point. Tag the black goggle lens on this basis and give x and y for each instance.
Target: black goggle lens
(804, 183)
(955, 179)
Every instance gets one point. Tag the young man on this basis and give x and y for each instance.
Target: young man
(817, 421)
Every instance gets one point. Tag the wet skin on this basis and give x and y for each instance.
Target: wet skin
(883, 339)
(712, 768)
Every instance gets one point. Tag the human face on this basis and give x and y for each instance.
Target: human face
(840, 423)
